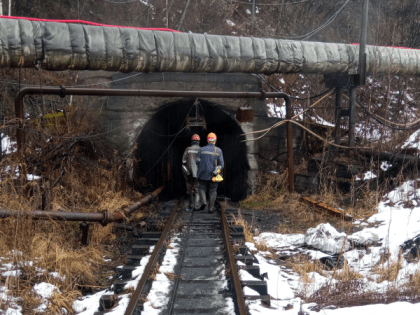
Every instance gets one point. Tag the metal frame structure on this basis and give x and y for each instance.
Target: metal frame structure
(63, 91)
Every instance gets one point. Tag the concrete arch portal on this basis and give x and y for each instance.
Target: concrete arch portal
(159, 164)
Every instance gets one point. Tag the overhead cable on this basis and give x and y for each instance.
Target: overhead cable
(385, 122)
(121, 2)
(301, 37)
(81, 85)
(272, 4)
(294, 97)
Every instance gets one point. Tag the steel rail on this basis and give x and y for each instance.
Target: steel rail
(63, 91)
(104, 218)
(234, 270)
(150, 265)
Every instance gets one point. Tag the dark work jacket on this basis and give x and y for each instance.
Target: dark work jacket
(206, 161)
(189, 157)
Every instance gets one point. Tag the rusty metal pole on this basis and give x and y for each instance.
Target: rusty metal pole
(289, 136)
(104, 218)
(84, 227)
(145, 200)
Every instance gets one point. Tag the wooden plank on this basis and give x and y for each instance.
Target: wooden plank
(322, 207)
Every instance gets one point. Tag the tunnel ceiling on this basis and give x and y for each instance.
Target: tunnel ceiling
(79, 46)
(155, 159)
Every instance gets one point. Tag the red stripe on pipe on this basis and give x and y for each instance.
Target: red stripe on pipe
(87, 23)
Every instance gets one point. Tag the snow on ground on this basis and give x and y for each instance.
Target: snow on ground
(321, 121)
(7, 146)
(10, 304)
(276, 111)
(413, 142)
(397, 221)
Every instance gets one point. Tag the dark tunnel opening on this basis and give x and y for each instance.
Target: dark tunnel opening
(160, 165)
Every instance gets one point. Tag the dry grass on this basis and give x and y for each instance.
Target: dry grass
(303, 266)
(154, 272)
(93, 181)
(388, 269)
(172, 276)
(347, 274)
(272, 194)
(240, 221)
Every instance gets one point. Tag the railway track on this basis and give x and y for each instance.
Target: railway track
(192, 261)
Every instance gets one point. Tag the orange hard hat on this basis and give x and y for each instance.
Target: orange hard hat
(195, 137)
(211, 137)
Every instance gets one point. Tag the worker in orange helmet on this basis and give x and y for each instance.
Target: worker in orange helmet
(210, 163)
(189, 169)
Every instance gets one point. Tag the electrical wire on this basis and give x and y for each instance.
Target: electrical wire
(121, 2)
(272, 4)
(170, 145)
(301, 37)
(80, 85)
(294, 97)
(61, 137)
(387, 123)
(308, 130)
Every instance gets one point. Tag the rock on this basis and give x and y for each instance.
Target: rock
(331, 262)
(411, 248)
(364, 239)
(326, 238)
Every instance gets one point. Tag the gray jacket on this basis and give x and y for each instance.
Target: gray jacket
(189, 157)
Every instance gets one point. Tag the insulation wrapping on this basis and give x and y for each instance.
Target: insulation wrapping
(62, 46)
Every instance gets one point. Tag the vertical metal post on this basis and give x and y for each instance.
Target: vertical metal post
(352, 107)
(253, 8)
(1, 123)
(338, 97)
(289, 136)
(362, 48)
(84, 226)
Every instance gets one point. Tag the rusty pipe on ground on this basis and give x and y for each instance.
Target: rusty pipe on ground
(104, 218)
(145, 200)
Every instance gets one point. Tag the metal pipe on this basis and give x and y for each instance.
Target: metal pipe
(289, 136)
(104, 218)
(145, 200)
(338, 101)
(63, 91)
(63, 216)
(362, 48)
(352, 107)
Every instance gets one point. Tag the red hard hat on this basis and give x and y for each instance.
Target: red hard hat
(195, 137)
(211, 137)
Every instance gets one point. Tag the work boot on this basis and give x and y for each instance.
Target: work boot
(191, 205)
(211, 203)
(196, 202)
(203, 199)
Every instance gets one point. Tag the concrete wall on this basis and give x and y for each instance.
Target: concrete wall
(125, 117)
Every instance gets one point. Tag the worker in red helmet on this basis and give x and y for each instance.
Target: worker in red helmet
(189, 169)
(210, 163)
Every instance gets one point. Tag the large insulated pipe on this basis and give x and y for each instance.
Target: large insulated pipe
(61, 45)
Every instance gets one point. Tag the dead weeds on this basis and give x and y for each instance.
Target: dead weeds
(77, 173)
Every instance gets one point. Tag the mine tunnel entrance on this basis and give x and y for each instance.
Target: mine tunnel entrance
(159, 152)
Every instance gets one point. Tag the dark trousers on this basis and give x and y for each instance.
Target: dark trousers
(208, 186)
(192, 185)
